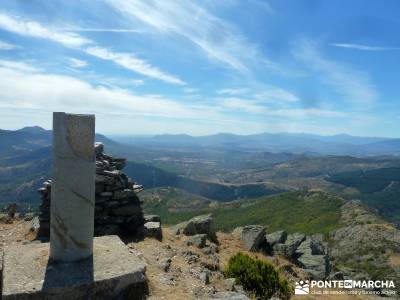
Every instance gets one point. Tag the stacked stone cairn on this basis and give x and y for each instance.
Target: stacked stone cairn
(118, 208)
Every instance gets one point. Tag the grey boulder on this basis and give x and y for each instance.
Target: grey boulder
(276, 237)
(197, 225)
(198, 240)
(153, 229)
(315, 265)
(152, 218)
(253, 237)
(289, 248)
(311, 256)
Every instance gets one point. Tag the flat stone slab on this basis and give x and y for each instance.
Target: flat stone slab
(111, 273)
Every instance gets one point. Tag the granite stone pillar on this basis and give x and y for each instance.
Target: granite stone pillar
(73, 187)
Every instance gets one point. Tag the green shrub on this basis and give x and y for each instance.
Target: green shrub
(258, 277)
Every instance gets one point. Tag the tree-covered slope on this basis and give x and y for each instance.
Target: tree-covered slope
(300, 211)
(379, 188)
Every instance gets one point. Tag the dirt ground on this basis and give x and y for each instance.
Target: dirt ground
(174, 269)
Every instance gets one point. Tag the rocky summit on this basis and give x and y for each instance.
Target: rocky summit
(309, 253)
(117, 208)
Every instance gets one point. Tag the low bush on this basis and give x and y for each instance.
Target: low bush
(258, 277)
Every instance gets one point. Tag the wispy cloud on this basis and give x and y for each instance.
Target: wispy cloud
(7, 46)
(190, 90)
(219, 40)
(241, 105)
(233, 91)
(255, 106)
(74, 29)
(137, 81)
(22, 87)
(364, 47)
(352, 84)
(36, 30)
(277, 95)
(77, 63)
(264, 5)
(74, 40)
(265, 94)
(131, 62)
(18, 66)
(308, 112)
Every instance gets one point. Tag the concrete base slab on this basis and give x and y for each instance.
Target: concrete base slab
(111, 273)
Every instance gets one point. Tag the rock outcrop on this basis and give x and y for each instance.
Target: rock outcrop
(117, 209)
(365, 246)
(253, 237)
(289, 246)
(276, 237)
(197, 225)
(307, 252)
(198, 240)
(312, 257)
(153, 229)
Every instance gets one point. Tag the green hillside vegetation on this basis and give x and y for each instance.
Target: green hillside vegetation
(260, 278)
(20, 182)
(379, 188)
(151, 177)
(169, 199)
(367, 181)
(299, 211)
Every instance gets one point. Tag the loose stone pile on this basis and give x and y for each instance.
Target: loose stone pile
(117, 210)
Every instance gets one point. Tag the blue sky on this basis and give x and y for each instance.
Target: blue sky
(202, 67)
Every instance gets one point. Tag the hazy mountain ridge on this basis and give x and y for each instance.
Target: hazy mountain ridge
(220, 170)
(27, 139)
(340, 144)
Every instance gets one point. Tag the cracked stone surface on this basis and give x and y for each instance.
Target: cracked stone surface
(111, 272)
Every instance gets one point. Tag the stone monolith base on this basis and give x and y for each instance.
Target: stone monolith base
(112, 273)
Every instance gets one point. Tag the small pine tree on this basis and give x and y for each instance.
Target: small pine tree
(258, 277)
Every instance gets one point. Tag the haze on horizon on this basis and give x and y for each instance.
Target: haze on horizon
(245, 67)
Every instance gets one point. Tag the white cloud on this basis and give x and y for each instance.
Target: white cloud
(276, 95)
(255, 106)
(188, 90)
(24, 92)
(74, 29)
(137, 81)
(18, 66)
(363, 47)
(24, 87)
(265, 94)
(352, 84)
(241, 105)
(7, 46)
(219, 40)
(77, 63)
(36, 30)
(131, 62)
(73, 40)
(308, 112)
(233, 91)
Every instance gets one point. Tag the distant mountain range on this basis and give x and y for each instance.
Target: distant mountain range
(31, 138)
(224, 167)
(27, 139)
(303, 143)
